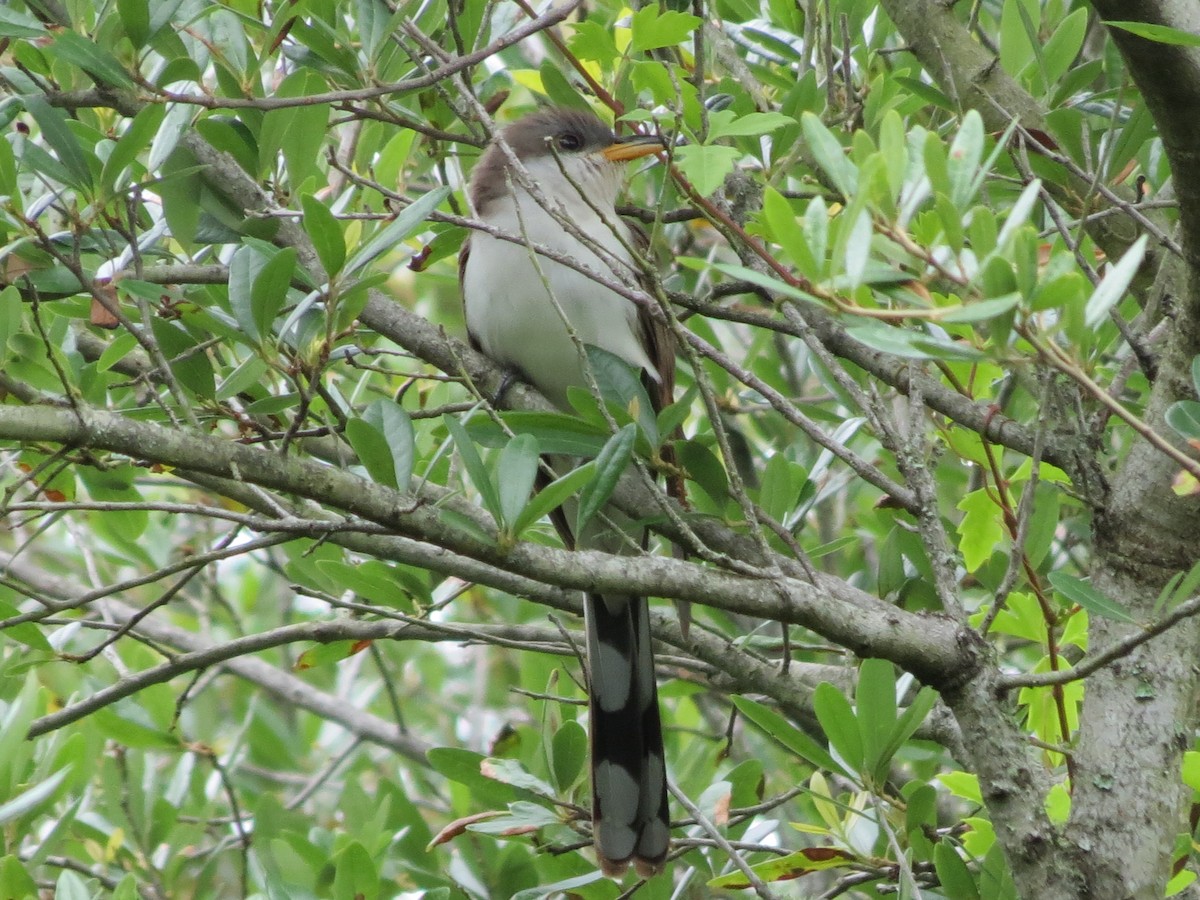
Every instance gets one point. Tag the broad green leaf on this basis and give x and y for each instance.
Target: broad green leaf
(27, 633)
(555, 432)
(355, 875)
(19, 25)
(794, 865)
(1112, 286)
(1081, 592)
(480, 477)
(727, 124)
(135, 16)
(1160, 34)
(137, 137)
(327, 654)
(510, 771)
(787, 734)
(372, 450)
(32, 797)
(1184, 417)
(653, 28)
(244, 268)
(103, 68)
(840, 724)
(296, 131)
(53, 123)
(611, 463)
(564, 888)
(706, 165)
(1063, 45)
(963, 159)
(409, 219)
(517, 470)
(15, 881)
(621, 387)
(553, 496)
(394, 424)
(325, 233)
(955, 877)
(858, 250)
(785, 230)
(12, 312)
(568, 754)
(981, 532)
(830, 155)
(875, 699)
(269, 292)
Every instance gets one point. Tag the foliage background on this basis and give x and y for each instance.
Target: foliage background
(279, 616)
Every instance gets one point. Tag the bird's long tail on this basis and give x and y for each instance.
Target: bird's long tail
(629, 782)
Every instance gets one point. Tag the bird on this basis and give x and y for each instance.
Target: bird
(515, 303)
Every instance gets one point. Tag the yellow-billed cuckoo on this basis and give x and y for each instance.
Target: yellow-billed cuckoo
(516, 303)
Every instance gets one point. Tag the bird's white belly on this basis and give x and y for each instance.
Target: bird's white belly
(511, 314)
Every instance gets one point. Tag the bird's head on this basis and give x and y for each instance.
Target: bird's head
(558, 146)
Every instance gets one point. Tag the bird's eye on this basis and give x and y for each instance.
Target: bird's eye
(569, 142)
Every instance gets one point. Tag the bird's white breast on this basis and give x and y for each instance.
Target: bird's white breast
(509, 305)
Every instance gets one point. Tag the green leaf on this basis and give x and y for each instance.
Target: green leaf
(409, 219)
(53, 124)
(27, 633)
(553, 496)
(32, 797)
(743, 273)
(791, 737)
(564, 888)
(476, 470)
(980, 532)
(963, 158)
(705, 469)
(593, 41)
(326, 234)
(1081, 592)
(372, 450)
(568, 753)
(784, 229)
(794, 865)
(875, 698)
(555, 432)
(135, 16)
(621, 388)
(1160, 34)
(15, 881)
(15, 24)
(957, 883)
(559, 89)
(516, 470)
(510, 771)
(355, 875)
(394, 424)
(611, 463)
(727, 124)
(706, 166)
(269, 292)
(138, 135)
(1112, 286)
(653, 29)
(101, 66)
(840, 724)
(1184, 417)
(12, 312)
(980, 310)
(297, 131)
(829, 154)
(319, 655)
(858, 250)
